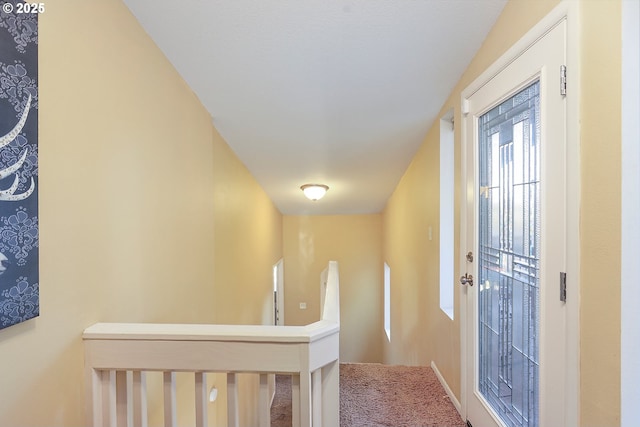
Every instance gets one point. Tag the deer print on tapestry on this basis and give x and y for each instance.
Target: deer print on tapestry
(19, 256)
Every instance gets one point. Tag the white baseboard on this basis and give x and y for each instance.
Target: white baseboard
(452, 397)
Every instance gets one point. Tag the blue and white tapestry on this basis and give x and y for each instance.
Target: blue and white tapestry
(19, 294)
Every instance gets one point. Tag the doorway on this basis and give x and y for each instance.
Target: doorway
(515, 322)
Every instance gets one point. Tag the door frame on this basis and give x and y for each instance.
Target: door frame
(568, 10)
(630, 293)
(278, 268)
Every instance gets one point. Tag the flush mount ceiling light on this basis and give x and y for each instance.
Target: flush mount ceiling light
(314, 191)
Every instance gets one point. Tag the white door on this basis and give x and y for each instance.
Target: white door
(515, 218)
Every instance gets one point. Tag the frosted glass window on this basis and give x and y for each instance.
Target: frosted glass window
(509, 257)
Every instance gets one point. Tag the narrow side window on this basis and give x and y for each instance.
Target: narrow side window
(387, 300)
(446, 213)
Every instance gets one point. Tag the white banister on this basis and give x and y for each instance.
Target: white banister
(316, 381)
(305, 399)
(331, 306)
(331, 394)
(117, 355)
(107, 413)
(139, 399)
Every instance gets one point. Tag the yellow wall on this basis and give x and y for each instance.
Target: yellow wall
(417, 323)
(355, 241)
(420, 333)
(130, 172)
(248, 242)
(600, 212)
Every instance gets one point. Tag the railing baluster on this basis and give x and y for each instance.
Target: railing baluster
(130, 399)
(305, 399)
(295, 400)
(202, 399)
(112, 391)
(264, 408)
(316, 397)
(232, 400)
(170, 413)
(107, 398)
(96, 389)
(331, 394)
(139, 399)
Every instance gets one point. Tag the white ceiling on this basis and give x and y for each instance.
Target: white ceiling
(335, 92)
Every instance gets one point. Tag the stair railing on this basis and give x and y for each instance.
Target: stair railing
(118, 356)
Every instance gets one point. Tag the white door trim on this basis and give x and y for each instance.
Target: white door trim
(630, 292)
(279, 267)
(565, 10)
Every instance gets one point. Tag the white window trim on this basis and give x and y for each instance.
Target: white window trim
(387, 301)
(630, 292)
(447, 214)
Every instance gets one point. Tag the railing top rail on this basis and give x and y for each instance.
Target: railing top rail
(201, 332)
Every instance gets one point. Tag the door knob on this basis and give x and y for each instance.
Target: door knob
(467, 279)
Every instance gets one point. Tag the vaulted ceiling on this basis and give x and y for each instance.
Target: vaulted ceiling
(335, 92)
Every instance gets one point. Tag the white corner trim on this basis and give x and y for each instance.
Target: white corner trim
(452, 397)
(630, 294)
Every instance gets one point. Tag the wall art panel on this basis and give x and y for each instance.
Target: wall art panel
(19, 274)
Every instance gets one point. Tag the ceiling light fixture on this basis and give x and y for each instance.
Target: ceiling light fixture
(314, 191)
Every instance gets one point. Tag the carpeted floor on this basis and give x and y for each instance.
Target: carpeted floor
(373, 395)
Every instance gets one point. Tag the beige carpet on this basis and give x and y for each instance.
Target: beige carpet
(281, 407)
(373, 395)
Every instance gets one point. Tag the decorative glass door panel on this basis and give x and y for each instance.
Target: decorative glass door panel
(509, 257)
(516, 221)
